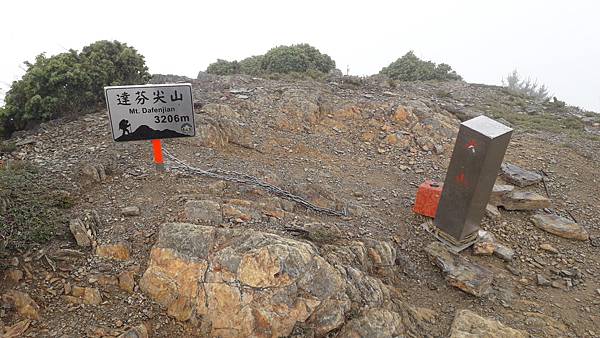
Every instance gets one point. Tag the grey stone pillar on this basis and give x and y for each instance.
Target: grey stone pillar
(478, 152)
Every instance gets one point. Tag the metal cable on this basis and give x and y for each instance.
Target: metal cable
(236, 177)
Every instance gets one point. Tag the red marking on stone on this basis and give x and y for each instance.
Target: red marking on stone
(471, 144)
(460, 178)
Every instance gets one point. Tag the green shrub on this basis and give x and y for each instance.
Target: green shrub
(223, 67)
(30, 208)
(69, 83)
(252, 65)
(295, 60)
(411, 68)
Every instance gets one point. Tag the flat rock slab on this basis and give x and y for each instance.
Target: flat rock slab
(560, 226)
(518, 176)
(524, 200)
(499, 193)
(468, 324)
(460, 272)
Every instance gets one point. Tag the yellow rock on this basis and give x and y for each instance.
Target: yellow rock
(126, 281)
(90, 296)
(119, 251)
(261, 269)
(367, 136)
(391, 139)
(400, 115)
(24, 305)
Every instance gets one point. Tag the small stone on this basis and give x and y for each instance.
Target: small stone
(119, 251)
(513, 269)
(542, 281)
(89, 296)
(548, 247)
(140, 331)
(557, 285)
(492, 212)
(126, 281)
(25, 306)
(518, 176)
(460, 273)
(105, 280)
(560, 226)
(483, 248)
(130, 211)
(504, 252)
(80, 232)
(14, 261)
(17, 330)
(524, 200)
(438, 149)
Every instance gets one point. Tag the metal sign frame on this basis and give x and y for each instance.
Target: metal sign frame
(158, 110)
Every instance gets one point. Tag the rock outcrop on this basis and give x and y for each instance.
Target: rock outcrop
(239, 283)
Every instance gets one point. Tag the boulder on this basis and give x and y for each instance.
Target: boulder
(560, 226)
(518, 176)
(467, 324)
(242, 283)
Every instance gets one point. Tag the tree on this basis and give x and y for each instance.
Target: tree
(410, 68)
(69, 83)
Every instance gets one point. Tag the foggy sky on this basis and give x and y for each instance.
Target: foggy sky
(555, 42)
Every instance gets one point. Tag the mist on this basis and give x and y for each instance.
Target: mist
(552, 42)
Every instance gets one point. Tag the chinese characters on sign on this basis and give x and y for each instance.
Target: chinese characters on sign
(149, 112)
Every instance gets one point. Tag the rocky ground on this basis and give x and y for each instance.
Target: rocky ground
(178, 254)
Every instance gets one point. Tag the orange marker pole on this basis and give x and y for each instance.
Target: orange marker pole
(158, 155)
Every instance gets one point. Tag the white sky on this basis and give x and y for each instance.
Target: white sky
(555, 42)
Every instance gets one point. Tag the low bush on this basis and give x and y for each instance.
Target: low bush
(31, 210)
(295, 60)
(410, 68)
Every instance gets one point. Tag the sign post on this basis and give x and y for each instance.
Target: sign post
(151, 112)
(476, 159)
(158, 155)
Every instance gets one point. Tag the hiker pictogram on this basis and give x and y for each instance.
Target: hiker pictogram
(124, 125)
